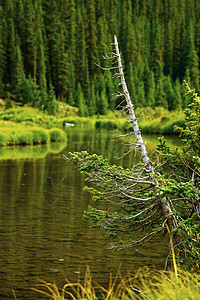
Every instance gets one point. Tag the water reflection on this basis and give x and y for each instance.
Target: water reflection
(42, 233)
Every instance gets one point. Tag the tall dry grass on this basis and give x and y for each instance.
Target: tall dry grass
(145, 284)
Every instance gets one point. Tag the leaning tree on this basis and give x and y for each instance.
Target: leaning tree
(152, 195)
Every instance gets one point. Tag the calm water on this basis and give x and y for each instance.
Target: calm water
(42, 233)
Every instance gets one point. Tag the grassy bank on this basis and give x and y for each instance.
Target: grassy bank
(145, 284)
(21, 134)
(157, 120)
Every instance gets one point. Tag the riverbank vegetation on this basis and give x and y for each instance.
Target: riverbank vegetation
(157, 120)
(20, 134)
(144, 284)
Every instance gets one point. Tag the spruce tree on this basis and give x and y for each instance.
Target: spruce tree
(19, 74)
(157, 51)
(131, 44)
(63, 71)
(2, 52)
(53, 29)
(193, 67)
(178, 96)
(92, 39)
(11, 44)
(131, 85)
(29, 38)
(168, 50)
(68, 19)
(81, 102)
(8, 102)
(110, 91)
(160, 96)
(82, 72)
(141, 99)
(170, 93)
(151, 91)
(42, 80)
(39, 55)
(103, 104)
(91, 102)
(187, 48)
(19, 17)
(177, 46)
(51, 103)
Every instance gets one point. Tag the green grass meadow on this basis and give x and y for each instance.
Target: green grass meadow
(22, 134)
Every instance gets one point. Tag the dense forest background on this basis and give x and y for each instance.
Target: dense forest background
(48, 49)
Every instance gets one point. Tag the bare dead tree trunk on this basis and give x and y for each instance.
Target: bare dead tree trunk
(145, 157)
(164, 204)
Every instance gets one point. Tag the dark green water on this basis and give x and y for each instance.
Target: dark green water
(42, 233)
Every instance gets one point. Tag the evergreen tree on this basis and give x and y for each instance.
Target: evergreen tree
(92, 42)
(8, 102)
(186, 99)
(110, 91)
(19, 74)
(151, 91)
(170, 93)
(131, 84)
(39, 55)
(30, 38)
(160, 96)
(91, 103)
(168, 50)
(68, 19)
(187, 48)
(131, 46)
(81, 102)
(51, 103)
(71, 99)
(63, 72)
(141, 99)
(11, 43)
(42, 81)
(178, 96)
(27, 93)
(193, 67)
(157, 49)
(113, 16)
(103, 43)
(2, 52)
(59, 42)
(103, 104)
(82, 72)
(53, 26)
(177, 46)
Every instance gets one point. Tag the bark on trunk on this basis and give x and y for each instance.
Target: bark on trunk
(145, 157)
(164, 203)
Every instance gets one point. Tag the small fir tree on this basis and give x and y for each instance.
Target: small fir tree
(8, 102)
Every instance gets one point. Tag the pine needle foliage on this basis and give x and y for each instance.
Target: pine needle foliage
(129, 201)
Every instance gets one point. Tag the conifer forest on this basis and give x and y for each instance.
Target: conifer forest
(51, 47)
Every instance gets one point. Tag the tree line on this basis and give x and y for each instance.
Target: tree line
(49, 50)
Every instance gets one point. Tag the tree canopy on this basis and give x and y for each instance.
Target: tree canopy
(57, 44)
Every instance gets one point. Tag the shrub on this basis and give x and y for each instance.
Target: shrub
(57, 135)
(106, 124)
(40, 136)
